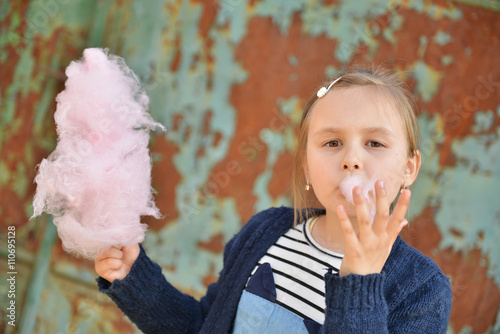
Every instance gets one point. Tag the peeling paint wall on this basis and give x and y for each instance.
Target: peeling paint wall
(229, 79)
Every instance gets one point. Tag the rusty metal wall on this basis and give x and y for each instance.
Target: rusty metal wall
(228, 79)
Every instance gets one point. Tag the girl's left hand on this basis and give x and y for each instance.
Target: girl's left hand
(367, 252)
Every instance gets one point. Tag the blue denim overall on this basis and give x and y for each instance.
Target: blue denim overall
(259, 313)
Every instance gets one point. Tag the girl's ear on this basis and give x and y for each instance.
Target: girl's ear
(412, 168)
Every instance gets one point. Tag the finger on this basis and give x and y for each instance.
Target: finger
(112, 252)
(371, 200)
(350, 237)
(382, 214)
(112, 264)
(105, 267)
(130, 254)
(400, 228)
(399, 212)
(362, 214)
(402, 225)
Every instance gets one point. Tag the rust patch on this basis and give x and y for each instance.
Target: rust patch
(208, 17)
(209, 279)
(164, 178)
(214, 245)
(176, 120)
(472, 289)
(11, 215)
(206, 122)
(177, 58)
(123, 326)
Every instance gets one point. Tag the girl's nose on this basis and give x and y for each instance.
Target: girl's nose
(351, 160)
(351, 166)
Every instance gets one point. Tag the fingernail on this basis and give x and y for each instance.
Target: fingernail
(381, 184)
(405, 193)
(357, 191)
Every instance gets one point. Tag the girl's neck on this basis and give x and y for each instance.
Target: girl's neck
(328, 233)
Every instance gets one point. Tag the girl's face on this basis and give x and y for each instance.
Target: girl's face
(356, 132)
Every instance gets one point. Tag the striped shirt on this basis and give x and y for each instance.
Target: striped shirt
(299, 264)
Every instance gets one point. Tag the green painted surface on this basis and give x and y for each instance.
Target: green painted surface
(483, 121)
(441, 37)
(447, 60)
(186, 93)
(477, 171)
(431, 134)
(33, 301)
(281, 11)
(427, 80)
(275, 144)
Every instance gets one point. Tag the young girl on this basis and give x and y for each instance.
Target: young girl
(338, 268)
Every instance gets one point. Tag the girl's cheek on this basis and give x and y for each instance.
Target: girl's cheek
(392, 186)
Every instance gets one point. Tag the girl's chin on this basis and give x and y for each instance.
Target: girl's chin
(349, 208)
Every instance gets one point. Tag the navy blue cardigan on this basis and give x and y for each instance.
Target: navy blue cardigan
(411, 295)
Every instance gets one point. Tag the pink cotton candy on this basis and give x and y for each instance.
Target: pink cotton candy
(368, 186)
(97, 182)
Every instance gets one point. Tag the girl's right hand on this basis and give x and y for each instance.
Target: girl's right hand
(367, 251)
(115, 262)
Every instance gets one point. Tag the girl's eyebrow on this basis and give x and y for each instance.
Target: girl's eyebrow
(369, 130)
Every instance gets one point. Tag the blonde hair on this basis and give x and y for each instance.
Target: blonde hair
(384, 81)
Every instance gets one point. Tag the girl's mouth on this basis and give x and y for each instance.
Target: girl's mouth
(368, 190)
(352, 181)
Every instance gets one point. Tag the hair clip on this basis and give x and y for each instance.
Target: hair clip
(323, 90)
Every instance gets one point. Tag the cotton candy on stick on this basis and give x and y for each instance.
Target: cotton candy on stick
(97, 182)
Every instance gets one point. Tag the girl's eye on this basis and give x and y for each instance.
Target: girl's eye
(375, 144)
(333, 143)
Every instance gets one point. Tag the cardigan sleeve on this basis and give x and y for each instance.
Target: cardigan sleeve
(356, 304)
(425, 310)
(153, 304)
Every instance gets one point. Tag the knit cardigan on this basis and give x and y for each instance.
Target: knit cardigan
(410, 295)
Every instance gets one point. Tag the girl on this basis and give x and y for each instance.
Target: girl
(340, 268)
